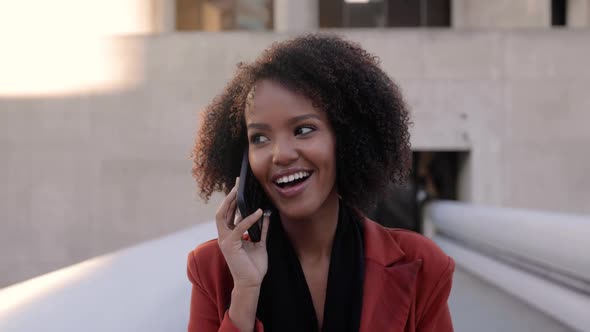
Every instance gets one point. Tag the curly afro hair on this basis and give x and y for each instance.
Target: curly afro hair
(365, 108)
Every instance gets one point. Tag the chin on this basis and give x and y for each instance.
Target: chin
(293, 215)
(297, 210)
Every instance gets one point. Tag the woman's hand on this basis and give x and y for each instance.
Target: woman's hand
(247, 261)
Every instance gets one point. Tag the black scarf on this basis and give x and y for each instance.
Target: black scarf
(285, 302)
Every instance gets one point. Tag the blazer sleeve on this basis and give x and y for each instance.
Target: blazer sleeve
(204, 315)
(436, 315)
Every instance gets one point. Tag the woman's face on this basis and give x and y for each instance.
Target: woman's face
(292, 150)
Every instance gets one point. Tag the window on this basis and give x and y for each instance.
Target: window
(413, 13)
(219, 15)
(384, 13)
(558, 12)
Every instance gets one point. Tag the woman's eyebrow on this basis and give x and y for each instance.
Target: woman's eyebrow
(303, 117)
(264, 126)
(259, 126)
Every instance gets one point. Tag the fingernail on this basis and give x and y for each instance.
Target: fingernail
(237, 180)
(267, 213)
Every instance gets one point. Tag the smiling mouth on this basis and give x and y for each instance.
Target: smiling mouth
(288, 181)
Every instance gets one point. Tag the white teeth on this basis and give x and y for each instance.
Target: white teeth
(292, 177)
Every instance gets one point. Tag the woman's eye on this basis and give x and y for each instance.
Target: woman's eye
(303, 130)
(257, 139)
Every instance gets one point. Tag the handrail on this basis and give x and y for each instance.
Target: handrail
(557, 243)
(142, 288)
(561, 303)
(540, 257)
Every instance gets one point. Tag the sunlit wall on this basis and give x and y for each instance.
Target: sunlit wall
(62, 47)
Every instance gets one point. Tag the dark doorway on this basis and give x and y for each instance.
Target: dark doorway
(435, 175)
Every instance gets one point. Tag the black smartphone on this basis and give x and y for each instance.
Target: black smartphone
(251, 197)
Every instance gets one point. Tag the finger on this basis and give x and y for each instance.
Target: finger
(236, 218)
(265, 225)
(222, 210)
(231, 205)
(246, 223)
(231, 195)
(230, 220)
(221, 215)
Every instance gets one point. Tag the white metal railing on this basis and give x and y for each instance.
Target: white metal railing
(142, 288)
(541, 258)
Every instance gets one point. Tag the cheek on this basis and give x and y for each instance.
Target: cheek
(258, 164)
(327, 155)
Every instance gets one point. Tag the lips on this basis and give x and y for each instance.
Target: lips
(289, 179)
(296, 183)
(288, 172)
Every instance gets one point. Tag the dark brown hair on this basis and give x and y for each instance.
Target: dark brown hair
(365, 108)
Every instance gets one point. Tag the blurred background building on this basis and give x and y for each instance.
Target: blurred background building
(99, 104)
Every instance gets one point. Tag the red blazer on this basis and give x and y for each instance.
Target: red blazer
(406, 287)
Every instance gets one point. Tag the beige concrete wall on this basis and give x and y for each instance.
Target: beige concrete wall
(163, 14)
(296, 15)
(501, 13)
(578, 13)
(89, 173)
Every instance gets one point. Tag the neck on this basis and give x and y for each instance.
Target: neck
(312, 237)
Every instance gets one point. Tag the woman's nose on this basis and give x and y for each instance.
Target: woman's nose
(284, 153)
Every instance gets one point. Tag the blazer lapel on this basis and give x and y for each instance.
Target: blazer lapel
(390, 282)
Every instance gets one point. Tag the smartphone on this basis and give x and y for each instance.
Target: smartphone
(251, 197)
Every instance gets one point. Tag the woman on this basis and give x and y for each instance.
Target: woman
(326, 130)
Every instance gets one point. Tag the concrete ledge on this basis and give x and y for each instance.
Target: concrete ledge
(554, 242)
(563, 304)
(142, 288)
